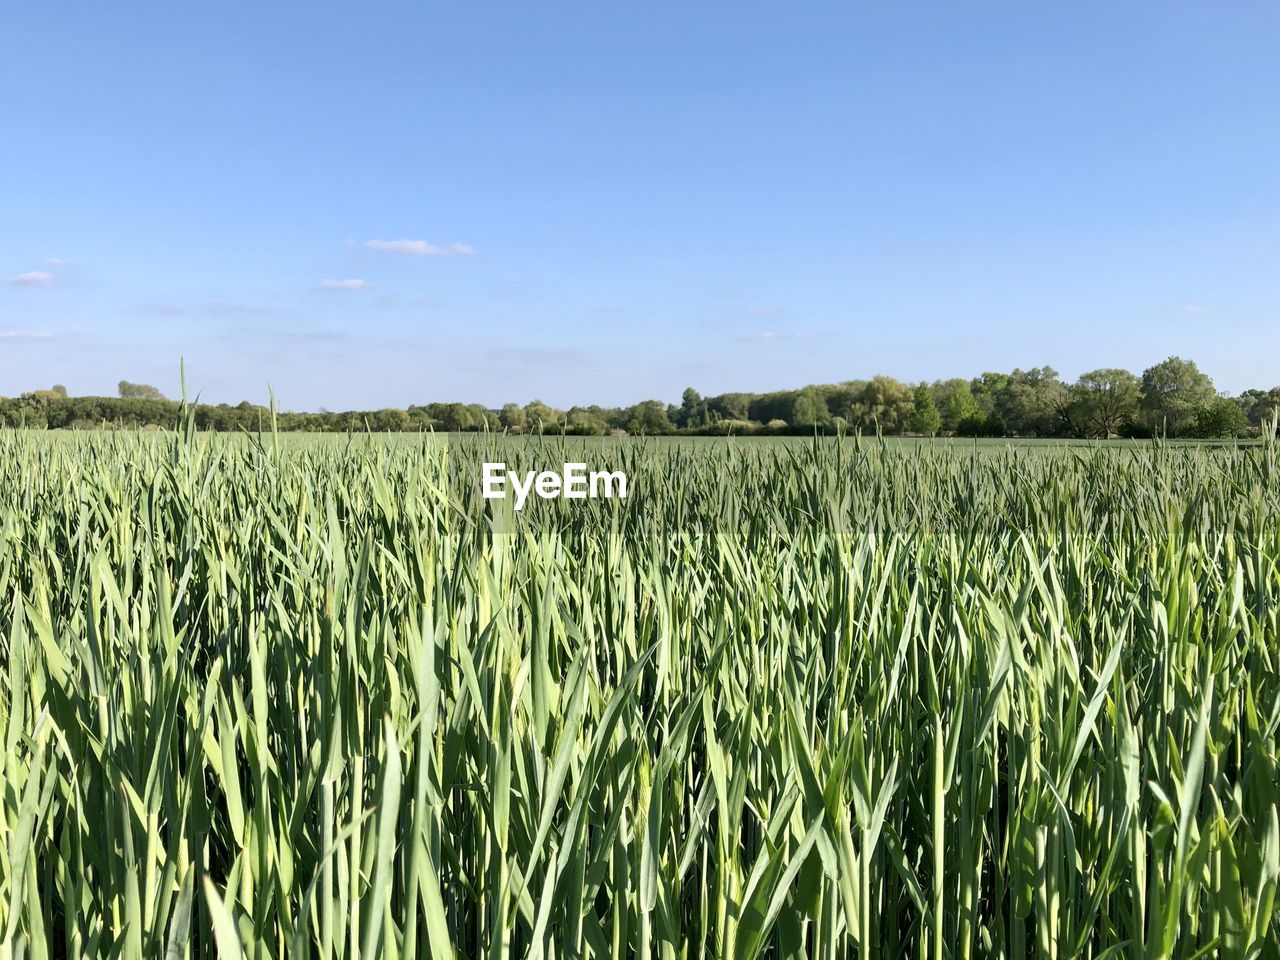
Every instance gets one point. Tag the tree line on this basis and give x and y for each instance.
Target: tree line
(1172, 398)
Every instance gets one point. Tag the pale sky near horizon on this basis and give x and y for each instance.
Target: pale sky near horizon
(380, 204)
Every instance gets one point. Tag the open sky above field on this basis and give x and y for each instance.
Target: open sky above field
(381, 204)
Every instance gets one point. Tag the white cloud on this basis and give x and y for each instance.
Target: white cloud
(25, 335)
(59, 262)
(536, 356)
(33, 278)
(350, 284)
(420, 248)
(777, 336)
(769, 311)
(1193, 308)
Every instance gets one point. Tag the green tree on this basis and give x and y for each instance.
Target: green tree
(885, 402)
(1173, 392)
(582, 423)
(455, 417)
(842, 398)
(389, 420)
(987, 389)
(1220, 417)
(693, 411)
(1105, 400)
(138, 391)
(925, 418)
(513, 418)
(485, 419)
(959, 404)
(1028, 401)
(648, 418)
(540, 418)
(1259, 405)
(731, 406)
(809, 409)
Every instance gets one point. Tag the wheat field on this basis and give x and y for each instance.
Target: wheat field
(311, 697)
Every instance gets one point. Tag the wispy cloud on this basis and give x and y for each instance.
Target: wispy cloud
(420, 248)
(212, 308)
(349, 284)
(765, 311)
(778, 336)
(281, 336)
(59, 262)
(535, 356)
(25, 335)
(33, 278)
(1193, 308)
(160, 308)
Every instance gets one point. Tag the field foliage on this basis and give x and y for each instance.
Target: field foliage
(816, 699)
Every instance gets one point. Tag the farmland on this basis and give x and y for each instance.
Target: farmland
(309, 696)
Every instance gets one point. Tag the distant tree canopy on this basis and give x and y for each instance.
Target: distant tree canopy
(1102, 402)
(1171, 398)
(1174, 392)
(925, 418)
(138, 391)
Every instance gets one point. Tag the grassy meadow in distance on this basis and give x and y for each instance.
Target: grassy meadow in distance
(312, 697)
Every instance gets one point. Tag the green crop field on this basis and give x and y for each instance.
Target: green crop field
(309, 697)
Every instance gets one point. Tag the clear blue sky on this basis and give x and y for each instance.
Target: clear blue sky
(611, 201)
